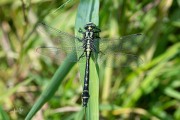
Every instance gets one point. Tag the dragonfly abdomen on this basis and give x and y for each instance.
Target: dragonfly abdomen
(85, 94)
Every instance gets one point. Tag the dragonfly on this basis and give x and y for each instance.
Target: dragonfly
(90, 45)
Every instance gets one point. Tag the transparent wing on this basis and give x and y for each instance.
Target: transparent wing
(59, 55)
(119, 60)
(125, 50)
(127, 44)
(58, 44)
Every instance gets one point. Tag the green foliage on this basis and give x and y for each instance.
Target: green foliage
(148, 91)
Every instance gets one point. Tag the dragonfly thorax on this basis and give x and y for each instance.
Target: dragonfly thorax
(88, 35)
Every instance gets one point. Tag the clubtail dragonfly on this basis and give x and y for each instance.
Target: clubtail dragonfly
(123, 49)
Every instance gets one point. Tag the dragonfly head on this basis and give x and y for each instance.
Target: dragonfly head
(89, 26)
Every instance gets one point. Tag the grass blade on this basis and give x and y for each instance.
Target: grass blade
(52, 87)
(3, 114)
(88, 11)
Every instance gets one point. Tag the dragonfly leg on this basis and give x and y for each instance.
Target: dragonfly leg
(82, 55)
(79, 39)
(94, 49)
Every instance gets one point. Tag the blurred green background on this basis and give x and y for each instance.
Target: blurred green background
(147, 92)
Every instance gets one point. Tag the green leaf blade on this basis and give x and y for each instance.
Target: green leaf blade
(59, 75)
(88, 11)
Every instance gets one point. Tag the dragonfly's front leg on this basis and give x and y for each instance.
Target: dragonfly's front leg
(84, 47)
(82, 55)
(94, 49)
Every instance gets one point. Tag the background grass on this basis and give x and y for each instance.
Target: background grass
(150, 91)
